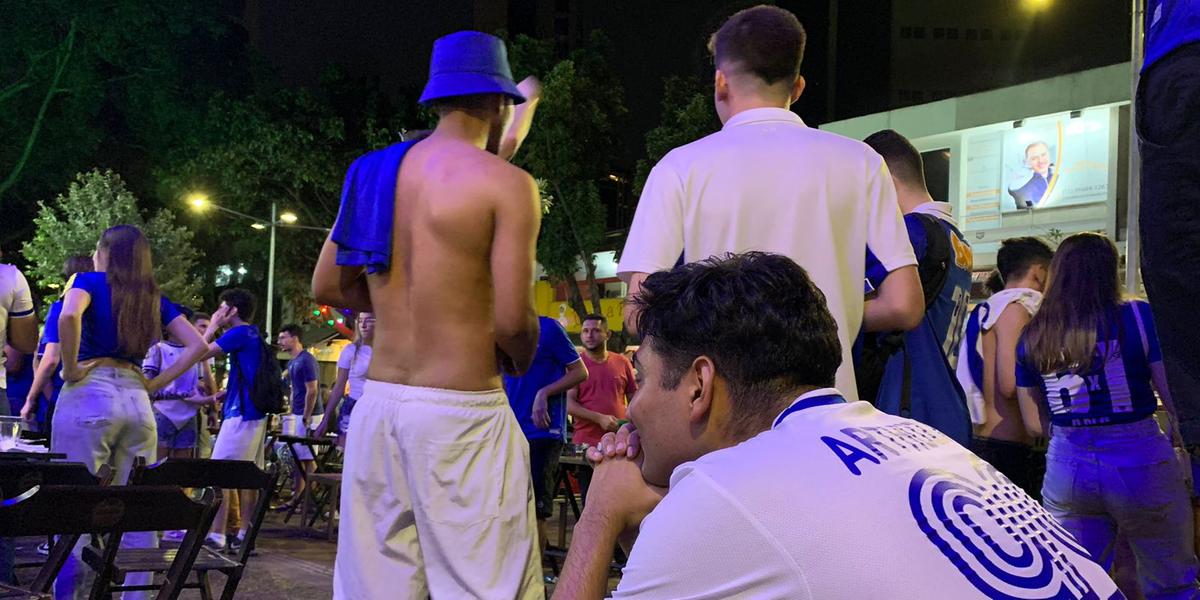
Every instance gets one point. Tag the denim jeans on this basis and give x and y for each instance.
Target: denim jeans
(104, 419)
(1125, 477)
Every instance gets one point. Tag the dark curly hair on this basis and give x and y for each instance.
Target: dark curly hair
(758, 316)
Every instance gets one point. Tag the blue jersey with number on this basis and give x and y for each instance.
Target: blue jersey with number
(932, 348)
(1115, 388)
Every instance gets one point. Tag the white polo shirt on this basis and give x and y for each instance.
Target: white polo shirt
(15, 302)
(767, 182)
(843, 501)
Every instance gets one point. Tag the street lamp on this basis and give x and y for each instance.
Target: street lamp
(200, 203)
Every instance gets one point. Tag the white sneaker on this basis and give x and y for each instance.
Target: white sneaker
(215, 541)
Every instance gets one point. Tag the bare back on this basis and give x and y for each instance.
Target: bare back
(1001, 409)
(460, 234)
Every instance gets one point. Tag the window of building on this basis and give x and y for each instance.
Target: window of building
(972, 34)
(952, 33)
(985, 34)
(905, 33)
(939, 33)
(919, 33)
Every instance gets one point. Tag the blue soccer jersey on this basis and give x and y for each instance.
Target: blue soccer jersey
(1115, 388)
(931, 349)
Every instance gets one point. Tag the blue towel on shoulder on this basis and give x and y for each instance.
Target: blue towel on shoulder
(363, 230)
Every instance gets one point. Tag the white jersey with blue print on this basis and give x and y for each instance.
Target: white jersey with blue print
(841, 501)
(970, 355)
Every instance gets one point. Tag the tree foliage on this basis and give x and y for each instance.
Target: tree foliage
(687, 115)
(569, 147)
(290, 147)
(72, 223)
(108, 82)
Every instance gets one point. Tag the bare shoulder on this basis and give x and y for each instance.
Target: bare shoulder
(1014, 317)
(511, 186)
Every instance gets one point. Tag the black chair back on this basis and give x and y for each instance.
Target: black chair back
(19, 476)
(203, 472)
(70, 511)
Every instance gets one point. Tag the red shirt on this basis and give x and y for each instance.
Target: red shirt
(606, 390)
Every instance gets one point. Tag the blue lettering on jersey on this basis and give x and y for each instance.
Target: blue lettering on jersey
(998, 537)
(849, 453)
(878, 444)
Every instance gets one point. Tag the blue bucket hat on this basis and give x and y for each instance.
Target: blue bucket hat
(469, 62)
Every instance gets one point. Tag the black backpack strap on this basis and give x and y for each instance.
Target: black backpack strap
(939, 254)
(934, 270)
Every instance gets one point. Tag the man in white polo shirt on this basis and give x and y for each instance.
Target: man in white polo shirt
(18, 323)
(779, 488)
(767, 182)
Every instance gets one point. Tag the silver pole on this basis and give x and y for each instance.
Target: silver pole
(271, 278)
(1133, 245)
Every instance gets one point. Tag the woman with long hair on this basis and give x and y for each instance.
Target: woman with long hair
(351, 369)
(1088, 365)
(109, 319)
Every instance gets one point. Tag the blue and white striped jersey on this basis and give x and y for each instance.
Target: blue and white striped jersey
(1116, 388)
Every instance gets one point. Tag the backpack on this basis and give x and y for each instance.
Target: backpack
(877, 348)
(266, 390)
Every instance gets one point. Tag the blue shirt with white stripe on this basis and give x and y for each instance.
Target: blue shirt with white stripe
(1116, 388)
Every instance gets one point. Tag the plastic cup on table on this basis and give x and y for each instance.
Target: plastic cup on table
(10, 432)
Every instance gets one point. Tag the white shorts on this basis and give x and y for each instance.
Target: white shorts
(293, 425)
(436, 498)
(241, 440)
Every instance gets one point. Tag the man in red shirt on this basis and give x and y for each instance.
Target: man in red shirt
(598, 404)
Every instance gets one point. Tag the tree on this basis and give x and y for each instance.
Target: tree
(106, 82)
(290, 147)
(569, 148)
(687, 115)
(96, 200)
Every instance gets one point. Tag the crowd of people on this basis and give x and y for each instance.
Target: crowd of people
(776, 274)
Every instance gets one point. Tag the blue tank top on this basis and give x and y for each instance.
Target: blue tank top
(1116, 388)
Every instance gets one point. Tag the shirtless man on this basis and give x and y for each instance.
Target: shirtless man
(987, 363)
(437, 498)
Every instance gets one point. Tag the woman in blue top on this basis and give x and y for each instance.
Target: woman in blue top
(109, 319)
(1088, 365)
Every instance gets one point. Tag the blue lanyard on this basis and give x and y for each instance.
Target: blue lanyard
(799, 405)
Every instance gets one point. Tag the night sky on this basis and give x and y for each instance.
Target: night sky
(391, 40)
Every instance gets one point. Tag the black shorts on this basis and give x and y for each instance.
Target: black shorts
(543, 471)
(1023, 464)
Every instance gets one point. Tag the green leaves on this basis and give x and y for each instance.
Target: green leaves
(687, 115)
(72, 223)
(568, 149)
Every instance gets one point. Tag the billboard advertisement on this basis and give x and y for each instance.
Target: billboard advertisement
(1056, 161)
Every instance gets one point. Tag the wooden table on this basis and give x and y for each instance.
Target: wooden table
(290, 442)
(562, 486)
(334, 482)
